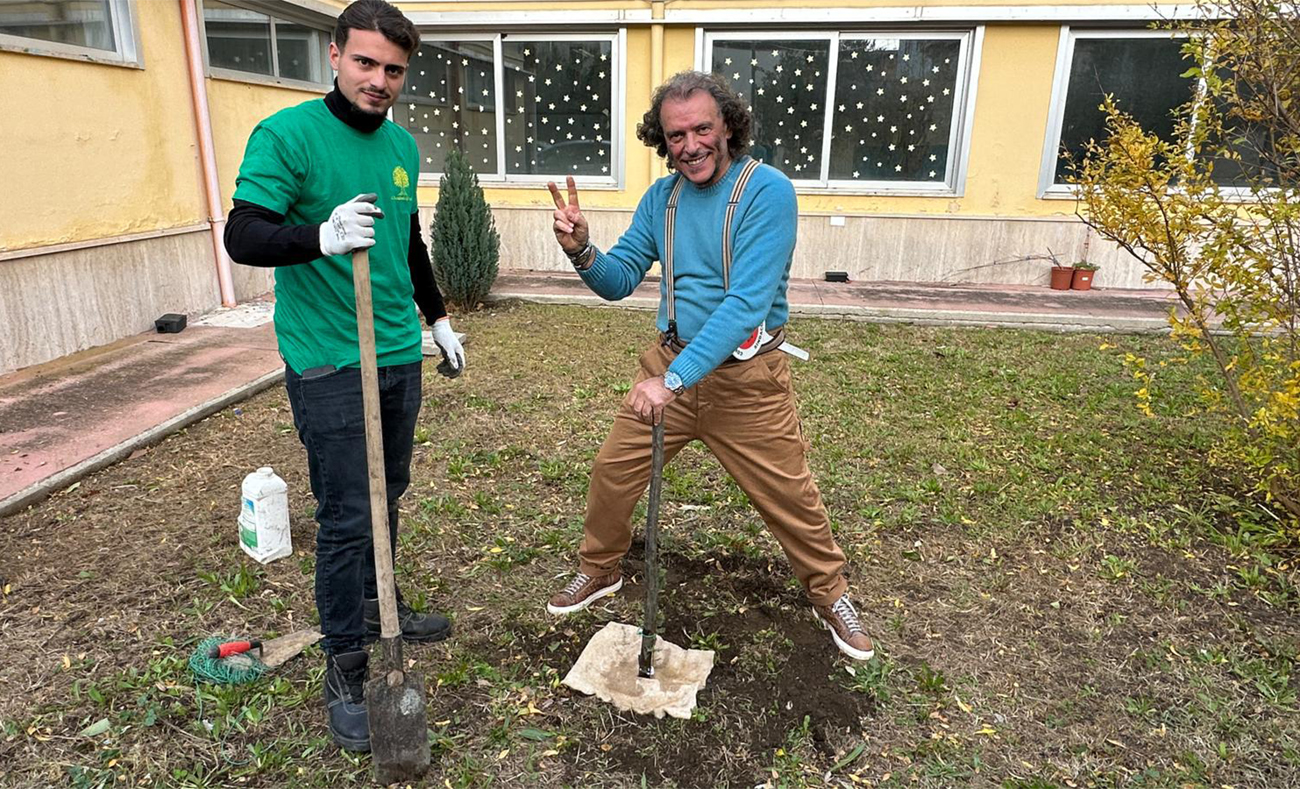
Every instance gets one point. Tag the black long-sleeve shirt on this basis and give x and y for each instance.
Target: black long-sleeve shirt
(257, 236)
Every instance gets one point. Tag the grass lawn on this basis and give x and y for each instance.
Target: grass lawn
(1063, 593)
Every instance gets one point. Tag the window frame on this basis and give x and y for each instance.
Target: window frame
(284, 14)
(125, 23)
(618, 90)
(970, 46)
(1048, 189)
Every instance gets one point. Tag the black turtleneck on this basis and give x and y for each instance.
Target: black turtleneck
(258, 236)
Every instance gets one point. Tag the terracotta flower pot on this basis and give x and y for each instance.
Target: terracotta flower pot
(1082, 279)
(1061, 277)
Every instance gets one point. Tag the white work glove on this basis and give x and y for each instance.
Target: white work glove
(451, 348)
(351, 226)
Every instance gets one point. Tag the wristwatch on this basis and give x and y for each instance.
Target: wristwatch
(673, 383)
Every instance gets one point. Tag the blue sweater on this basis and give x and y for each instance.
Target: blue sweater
(712, 320)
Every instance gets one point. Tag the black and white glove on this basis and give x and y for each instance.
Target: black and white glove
(452, 351)
(351, 226)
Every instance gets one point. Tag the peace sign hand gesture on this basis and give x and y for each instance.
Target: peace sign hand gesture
(570, 224)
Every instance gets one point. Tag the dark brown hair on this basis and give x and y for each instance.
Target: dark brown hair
(381, 17)
(735, 112)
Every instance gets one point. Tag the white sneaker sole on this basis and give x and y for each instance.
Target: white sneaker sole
(856, 654)
(561, 610)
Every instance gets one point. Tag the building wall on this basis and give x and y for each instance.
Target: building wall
(103, 226)
(993, 231)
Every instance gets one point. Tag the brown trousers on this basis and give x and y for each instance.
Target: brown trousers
(744, 412)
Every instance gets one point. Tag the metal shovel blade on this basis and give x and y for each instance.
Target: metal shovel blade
(399, 730)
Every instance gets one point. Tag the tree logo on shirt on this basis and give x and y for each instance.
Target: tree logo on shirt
(401, 180)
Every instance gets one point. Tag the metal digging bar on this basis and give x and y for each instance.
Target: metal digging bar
(645, 664)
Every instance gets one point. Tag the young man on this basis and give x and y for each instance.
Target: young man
(319, 181)
(694, 379)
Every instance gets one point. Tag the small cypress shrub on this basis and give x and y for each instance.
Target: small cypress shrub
(466, 246)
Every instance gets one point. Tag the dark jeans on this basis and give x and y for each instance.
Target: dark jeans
(330, 417)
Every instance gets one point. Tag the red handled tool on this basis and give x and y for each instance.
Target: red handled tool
(229, 648)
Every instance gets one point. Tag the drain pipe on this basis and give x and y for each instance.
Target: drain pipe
(207, 155)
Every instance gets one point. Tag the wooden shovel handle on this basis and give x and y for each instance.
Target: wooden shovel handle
(388, 627)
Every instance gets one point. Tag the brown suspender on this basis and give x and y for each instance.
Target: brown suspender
(670, 227)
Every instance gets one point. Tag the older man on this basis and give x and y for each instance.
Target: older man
(723, 227)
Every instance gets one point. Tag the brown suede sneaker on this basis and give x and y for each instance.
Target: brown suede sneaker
(584, 590)
(846, 631)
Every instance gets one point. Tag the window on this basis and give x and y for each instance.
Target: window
(856, 111)
(99, 30)
(521, 108)
(247, 40)
(1141, 68)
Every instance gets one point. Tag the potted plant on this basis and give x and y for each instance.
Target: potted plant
(1061, 275)
(1083, 274)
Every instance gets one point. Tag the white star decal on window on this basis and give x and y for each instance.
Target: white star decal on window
(898, 168)
(903, 80)
(880, 91)
(777, 141)
(727, 62)
(892, 146)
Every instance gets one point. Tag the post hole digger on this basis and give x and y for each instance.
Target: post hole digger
(637, 670)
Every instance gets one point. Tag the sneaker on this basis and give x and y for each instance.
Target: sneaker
(584, 590)
(417, 628)
(846, 630)
(345, 699)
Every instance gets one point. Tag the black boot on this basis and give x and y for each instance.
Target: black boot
(345, 699)
(416, 627)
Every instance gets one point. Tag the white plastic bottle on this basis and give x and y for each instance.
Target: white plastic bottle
(264, 517)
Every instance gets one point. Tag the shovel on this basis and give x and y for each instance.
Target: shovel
(399, 738)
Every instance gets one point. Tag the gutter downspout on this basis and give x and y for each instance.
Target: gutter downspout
(656, 73)
(207, 156)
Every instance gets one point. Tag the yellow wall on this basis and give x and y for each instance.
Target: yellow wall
(99, 150)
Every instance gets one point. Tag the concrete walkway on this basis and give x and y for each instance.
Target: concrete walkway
(62, 420)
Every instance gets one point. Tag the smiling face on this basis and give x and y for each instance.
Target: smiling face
(697, 137)
(371, 70)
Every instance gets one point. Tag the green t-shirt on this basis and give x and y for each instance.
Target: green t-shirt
(303, 162)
